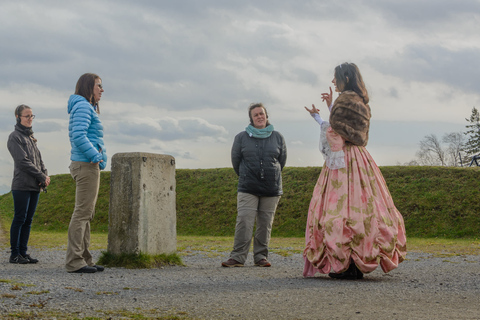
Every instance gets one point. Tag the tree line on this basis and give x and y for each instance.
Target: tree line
(453, 149)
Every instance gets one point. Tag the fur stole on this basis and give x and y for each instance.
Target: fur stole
(350, 118)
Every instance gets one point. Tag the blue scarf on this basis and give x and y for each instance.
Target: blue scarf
(259, 133)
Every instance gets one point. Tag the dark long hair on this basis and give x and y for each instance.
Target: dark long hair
(85, 86)
(348, 77)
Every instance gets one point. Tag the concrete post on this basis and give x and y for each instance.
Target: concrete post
(142, 213)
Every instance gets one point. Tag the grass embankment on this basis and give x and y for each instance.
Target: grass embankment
(434, 201)
(217, 245)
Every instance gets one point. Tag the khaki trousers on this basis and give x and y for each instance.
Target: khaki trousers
(250, 209)
(87, 179)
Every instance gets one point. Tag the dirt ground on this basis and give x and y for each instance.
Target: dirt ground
(422, 287)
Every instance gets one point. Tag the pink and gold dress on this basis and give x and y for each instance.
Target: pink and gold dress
(352, 216)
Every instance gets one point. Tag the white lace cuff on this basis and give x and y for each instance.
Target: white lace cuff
(333, 159)
(336, 160)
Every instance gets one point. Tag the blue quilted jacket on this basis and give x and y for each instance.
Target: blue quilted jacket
(86, 132)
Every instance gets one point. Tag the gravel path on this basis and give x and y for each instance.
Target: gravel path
(423, 287)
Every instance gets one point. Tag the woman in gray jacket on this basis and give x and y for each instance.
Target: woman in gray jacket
(258, 157)
(29, 178)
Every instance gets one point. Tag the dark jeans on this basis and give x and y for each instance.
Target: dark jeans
(25, 203)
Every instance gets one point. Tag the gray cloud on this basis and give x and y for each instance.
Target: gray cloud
(158, 53)
(168, 130)
(47, 126)
(427, 63)
(419, 15)
(177, 155)
(7, 119)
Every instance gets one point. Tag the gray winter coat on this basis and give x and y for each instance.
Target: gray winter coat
(259, 163)
(29, 170)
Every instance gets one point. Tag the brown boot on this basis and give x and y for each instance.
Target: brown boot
(231, 263)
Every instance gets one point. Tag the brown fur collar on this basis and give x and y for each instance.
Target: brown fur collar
(350, 118)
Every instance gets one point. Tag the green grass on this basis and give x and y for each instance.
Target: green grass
(139, 261)
(434, 201)
(437, 201)
(56, 206)
(286, 246)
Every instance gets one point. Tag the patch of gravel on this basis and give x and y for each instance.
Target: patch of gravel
(423, 287)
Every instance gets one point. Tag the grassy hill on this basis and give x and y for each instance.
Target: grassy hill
(434, 201)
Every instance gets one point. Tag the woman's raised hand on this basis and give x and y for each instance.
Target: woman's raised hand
(313, 110)
(327, 97)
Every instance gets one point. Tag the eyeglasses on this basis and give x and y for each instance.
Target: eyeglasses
(100, 85)
(29, 117)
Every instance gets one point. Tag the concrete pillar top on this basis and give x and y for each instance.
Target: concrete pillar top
(140, 154)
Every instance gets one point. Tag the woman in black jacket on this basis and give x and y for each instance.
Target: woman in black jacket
(29, 178)
(258, 157)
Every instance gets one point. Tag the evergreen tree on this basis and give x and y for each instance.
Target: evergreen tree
(472, 146)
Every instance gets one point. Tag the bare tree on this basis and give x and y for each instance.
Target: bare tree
(454, 150)
(431, 152)
(408, 163)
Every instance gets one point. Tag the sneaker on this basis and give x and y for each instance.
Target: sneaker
(30, 259)
(18, 259)
(263, 263)
(231, 263)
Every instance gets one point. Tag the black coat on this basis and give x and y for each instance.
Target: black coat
(29, 170)
(259, 163)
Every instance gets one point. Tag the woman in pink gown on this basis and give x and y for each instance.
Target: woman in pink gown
(353, 225)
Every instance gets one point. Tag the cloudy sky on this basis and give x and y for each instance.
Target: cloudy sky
(179, 75)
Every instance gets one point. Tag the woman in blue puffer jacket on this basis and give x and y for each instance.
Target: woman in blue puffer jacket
(88, 158)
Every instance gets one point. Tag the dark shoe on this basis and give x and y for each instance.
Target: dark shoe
(18, 259)
(359, 273)
(99, 268)
(350, 274)
(30, 259)
(263, 263)
(231, 263)
(85, 269)
(343, 276)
